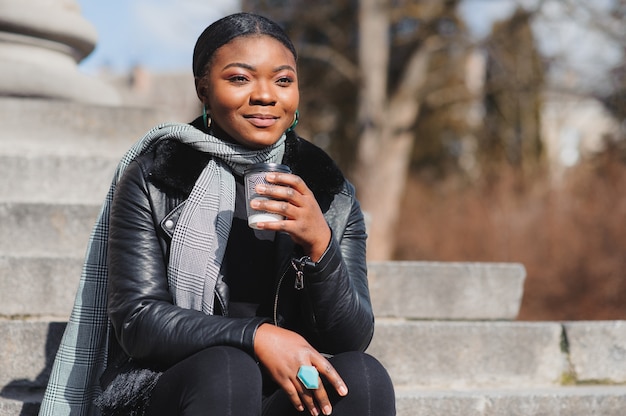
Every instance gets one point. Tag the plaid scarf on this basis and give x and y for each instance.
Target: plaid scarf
(197, 250)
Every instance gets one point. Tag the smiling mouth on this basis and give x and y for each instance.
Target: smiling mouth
(261, 120)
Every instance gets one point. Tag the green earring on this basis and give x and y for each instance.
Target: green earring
(296, 118)
(206, 119)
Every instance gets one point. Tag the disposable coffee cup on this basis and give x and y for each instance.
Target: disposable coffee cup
(255, 175)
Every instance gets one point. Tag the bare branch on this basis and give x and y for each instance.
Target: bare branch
(335, 59)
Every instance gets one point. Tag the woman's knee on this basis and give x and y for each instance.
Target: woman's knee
(364, 375)
(221, 364)
(225, 380)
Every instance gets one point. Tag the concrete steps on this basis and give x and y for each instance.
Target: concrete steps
(45, 229)
(553, 401)
(559, 401)
(55, 178)
(445, 331)
(439, 368)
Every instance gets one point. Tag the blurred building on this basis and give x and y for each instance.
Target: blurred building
(41, 44)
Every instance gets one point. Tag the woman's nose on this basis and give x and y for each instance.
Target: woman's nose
(263, 94)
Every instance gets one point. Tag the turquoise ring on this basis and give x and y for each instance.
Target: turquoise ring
(309, 377)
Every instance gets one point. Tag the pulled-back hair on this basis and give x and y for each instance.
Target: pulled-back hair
(230, 27)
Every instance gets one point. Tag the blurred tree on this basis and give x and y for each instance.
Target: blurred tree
(615, 99)
(514, 85)
(364, 77)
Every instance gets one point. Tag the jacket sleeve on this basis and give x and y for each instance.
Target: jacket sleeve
(148, 326)
(341, 316)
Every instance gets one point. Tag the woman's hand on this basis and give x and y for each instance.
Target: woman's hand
(304, 221)
(282, 352)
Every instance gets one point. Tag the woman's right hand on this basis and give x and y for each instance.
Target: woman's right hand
(282, 352)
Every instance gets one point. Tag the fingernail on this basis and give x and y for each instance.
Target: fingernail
(343, 391)
(261, 188)
(255, 203)
(270, 176)
(327, 410)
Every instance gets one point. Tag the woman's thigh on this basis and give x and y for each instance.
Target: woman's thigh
(218, 380)
(370, 391)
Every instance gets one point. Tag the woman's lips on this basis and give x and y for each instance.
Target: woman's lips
(261, 120)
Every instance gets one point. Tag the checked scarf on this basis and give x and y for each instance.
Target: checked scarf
(197, 250)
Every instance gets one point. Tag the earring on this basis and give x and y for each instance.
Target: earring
(296, 118)
(206, 118)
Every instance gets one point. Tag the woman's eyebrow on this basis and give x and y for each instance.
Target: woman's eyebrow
(252, 68)
(283, 67)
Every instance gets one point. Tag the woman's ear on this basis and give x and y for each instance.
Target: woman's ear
(202, 89)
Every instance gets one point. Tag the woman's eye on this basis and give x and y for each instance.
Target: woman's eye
(285, 81)
(238, 79)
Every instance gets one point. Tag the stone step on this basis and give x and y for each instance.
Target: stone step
(438, 354)
(418, 355)
(45, 229)
(458, 354)
(50, 127)
(18, 403)
(27, 352)
(570, 401)
(55, 178)
(38, 286)
(45, 286)
(553, 401)
(457, 291)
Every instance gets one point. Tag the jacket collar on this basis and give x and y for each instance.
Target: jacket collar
(177, 166)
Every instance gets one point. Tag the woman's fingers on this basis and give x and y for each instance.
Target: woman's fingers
(320, 395)
(328, 372)
(288, 179)
(290, 197)
(295, 352)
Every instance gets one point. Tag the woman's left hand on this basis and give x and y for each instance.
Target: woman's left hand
(304, 221)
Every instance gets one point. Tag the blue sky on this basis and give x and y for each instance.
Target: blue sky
(160, 34)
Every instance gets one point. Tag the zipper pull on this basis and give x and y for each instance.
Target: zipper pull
(298, 266)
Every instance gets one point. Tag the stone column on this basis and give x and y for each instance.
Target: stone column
(41, 44)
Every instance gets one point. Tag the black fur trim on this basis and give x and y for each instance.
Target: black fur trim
(177, 166)
(128, 394)
(319, 171)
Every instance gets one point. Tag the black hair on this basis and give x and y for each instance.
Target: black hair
(222, 31)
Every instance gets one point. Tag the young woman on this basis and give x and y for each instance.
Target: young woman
(205, 315)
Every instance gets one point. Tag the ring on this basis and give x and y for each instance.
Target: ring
(309, 377)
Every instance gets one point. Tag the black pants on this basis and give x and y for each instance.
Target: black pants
(226, 381)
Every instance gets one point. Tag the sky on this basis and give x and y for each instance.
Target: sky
(157, 34)
(160, 34)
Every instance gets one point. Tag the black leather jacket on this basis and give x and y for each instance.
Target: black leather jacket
(333, 311)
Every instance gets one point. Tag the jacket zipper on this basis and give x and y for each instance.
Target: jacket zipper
(298, 265)
(280, 282)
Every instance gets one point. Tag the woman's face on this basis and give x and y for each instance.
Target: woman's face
(251, 90)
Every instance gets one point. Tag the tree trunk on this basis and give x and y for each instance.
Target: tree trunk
(386, 137)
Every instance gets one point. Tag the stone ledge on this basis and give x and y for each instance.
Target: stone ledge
(27, 352)
(44, 229)
(454, 291)
(57, 127)
(470, 354)
(38, 286)
(55, 179)
(570, 401)
(597, 351)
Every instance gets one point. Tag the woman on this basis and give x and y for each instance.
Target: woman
(205, 313)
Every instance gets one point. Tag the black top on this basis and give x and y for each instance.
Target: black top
(249, 264)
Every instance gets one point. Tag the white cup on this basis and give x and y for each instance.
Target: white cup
(255, 175)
